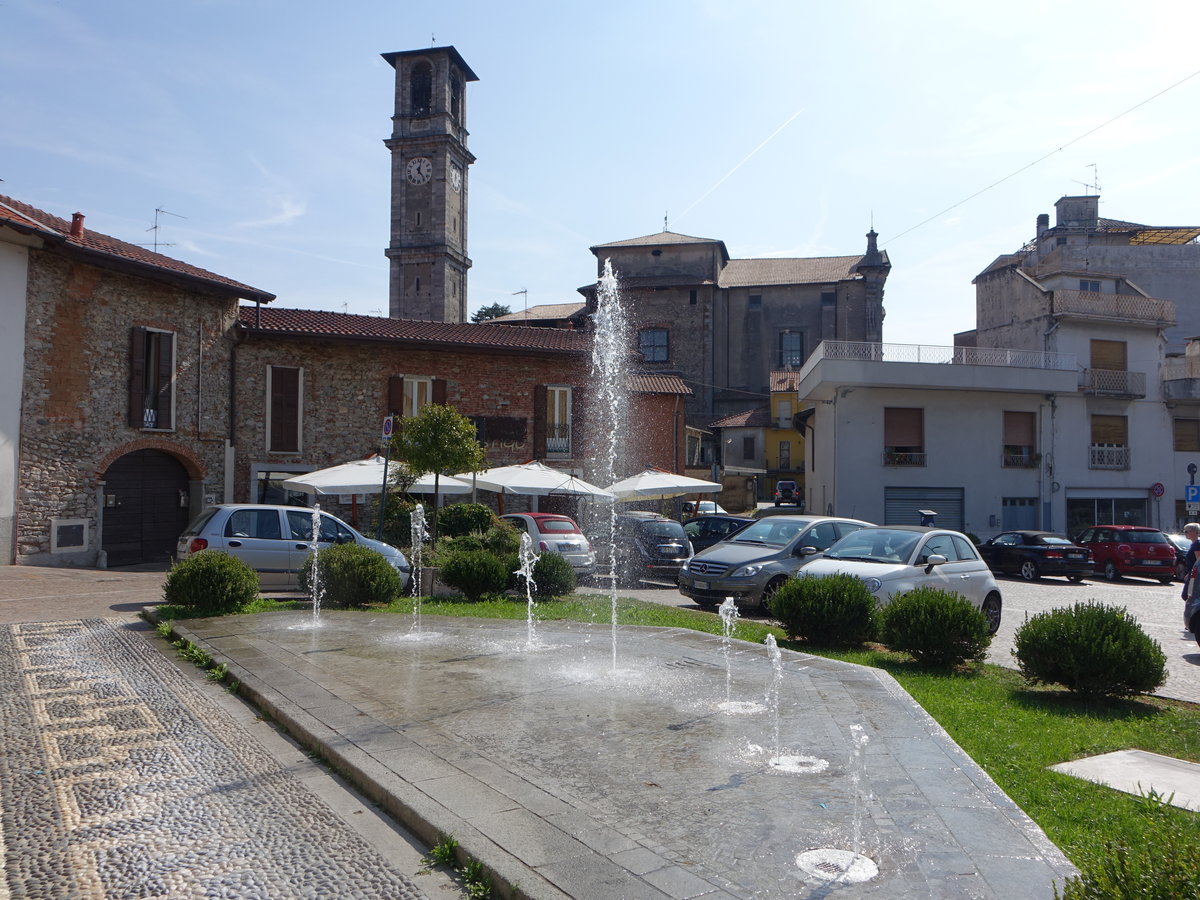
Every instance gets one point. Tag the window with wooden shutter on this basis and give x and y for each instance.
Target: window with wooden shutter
(1109, 355)
(903, 436)
(1187, 435)
(1020, 443)
(395, 395)
(558, 421)
(540, 414)
(284, 408)
(151, 379)
(1112, 431)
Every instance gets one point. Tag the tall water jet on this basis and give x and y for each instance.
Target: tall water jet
(420, 535)
(729, 617)
(610, 376)
(528, 559)
(315, 586)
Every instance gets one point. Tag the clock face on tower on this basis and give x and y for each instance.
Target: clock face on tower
(419, 170)
(456, 178)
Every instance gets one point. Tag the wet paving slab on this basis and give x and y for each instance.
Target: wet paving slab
(657, 763)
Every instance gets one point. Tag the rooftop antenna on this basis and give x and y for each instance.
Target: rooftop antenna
(159, 211)
(432, 39)
(664, 222)
(524, 291)
(1095, 183)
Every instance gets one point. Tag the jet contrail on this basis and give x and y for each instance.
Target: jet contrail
(764, 143)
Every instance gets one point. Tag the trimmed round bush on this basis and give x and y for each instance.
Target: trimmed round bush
(1091, 649)
(938, 628)
(464, 518)
(352, 576)
(833, 610)
(211, 583)
(552, 576)
(475, 573)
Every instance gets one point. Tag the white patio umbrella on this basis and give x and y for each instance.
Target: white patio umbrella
(365, 476)
(655, 484)
(535, 479)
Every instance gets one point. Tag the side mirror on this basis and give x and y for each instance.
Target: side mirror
(935, 559)
(806, 551)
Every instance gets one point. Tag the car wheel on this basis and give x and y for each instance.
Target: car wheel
(769, 592)
(1075, 579)
(1110, 571)
(1029, 570)
(991, 609)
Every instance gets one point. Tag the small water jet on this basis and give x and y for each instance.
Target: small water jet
(729, 617)
(420, 534)
(528, 559)
(315, 586)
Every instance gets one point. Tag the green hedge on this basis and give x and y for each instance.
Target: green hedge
(211, 583)
(833, 610)
(352, 576)
(938, 628)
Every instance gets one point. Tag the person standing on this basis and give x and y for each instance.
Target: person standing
(1191, 531)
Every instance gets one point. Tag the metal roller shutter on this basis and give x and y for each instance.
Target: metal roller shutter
(901, 505)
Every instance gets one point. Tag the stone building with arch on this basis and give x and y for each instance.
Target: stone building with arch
(116, 409)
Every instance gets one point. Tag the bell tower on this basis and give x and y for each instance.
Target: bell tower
(428, 248)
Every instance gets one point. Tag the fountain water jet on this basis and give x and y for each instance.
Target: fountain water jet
(420, 534)
(315, 585)
(610, 375)
(528, 559)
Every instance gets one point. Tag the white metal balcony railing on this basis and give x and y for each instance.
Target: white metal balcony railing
(1113, 381)
(1025, 459)
(558, 439)
(923, 353)
(1108, 456)
(1179, 368)
(892, 458)
(1133, 307)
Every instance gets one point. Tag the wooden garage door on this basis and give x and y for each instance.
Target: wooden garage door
(143, 525)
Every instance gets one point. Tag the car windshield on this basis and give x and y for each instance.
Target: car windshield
(557, 526)
(881, 545)
(1143, 537)
(773, 530)
(664, 529)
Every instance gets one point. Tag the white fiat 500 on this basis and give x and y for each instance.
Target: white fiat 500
(894, 559)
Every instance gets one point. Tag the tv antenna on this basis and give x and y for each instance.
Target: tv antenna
(159, 211)
(524, 291)
(1095, 183)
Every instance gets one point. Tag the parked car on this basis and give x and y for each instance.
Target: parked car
(1119, 550)
(751, 565)
(275, 540)
(648, 546)
(894, 559)
(702, 508)
(787, 492)
(704, 531)
(553, 533)
(1032, 554)
(1182, 544)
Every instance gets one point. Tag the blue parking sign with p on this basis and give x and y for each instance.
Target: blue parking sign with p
(1191, 493)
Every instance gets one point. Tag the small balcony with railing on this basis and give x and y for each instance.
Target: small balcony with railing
(1108, 456)
(1113, 383)
(1015, 456)
(903, 457)
(558, 440)
(1181, 376)
(1132, 308)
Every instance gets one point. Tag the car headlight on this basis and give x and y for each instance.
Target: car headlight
(872, 584)
(746, 571)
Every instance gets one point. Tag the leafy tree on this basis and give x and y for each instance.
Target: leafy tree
(439, 441)
(493, 311)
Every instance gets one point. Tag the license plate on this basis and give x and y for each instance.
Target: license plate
(702, 585)
(1153, 562)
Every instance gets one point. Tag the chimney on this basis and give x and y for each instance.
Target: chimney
(1043, 224)
(872, 257)
(77, 225)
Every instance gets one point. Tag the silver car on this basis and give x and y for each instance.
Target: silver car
(756, 561)
(275, 540)
(893, 559)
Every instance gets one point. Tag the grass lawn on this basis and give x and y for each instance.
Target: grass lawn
(1014, 731)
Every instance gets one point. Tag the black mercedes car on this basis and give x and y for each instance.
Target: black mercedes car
(1032, 554)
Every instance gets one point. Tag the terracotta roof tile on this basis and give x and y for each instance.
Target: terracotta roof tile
(24, 216)
(651, 240)
(316, 323)
(542, 311)
(759, 417)
(814, 270)
(654, 383)
(785, 381)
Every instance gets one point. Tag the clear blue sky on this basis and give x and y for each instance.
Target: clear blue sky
(261, 123)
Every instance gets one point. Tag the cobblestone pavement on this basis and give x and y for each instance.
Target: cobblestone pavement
(671, 773)
(120, 777)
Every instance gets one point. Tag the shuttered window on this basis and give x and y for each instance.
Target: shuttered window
(1110, 430)
(1019, 441)
(284, 408)
(151, 379)
(1109, 355)
(1187, 435)
(904, 429)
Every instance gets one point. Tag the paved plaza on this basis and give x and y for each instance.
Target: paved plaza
(688, 768)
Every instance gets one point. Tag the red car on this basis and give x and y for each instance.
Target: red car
(1130, 550)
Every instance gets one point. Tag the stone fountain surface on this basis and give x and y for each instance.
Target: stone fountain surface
(567, 777)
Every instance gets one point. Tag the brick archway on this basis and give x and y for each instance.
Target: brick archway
(196, 470)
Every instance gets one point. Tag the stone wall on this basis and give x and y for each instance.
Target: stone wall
(76, 392)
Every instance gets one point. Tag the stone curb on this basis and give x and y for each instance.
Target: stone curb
(424, 817)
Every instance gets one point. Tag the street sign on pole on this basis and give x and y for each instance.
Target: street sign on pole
(1191, 494)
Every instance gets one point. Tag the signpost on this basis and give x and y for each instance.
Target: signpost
(1191, 496)
(386, 440)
